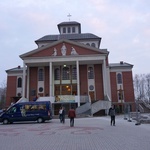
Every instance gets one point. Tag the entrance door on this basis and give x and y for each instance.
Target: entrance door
(92, 95)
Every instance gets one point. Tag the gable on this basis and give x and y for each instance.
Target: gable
(63, 48)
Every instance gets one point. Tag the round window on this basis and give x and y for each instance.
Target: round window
(40, 89)
(91, 87)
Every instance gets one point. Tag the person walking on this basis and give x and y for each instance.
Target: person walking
(60, 114)
(63, 114)
(112, 115)
(71, 115)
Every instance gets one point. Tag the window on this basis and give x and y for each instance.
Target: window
(119, 78)
(90, 73)
(65, 73)
(74, 73)
(74, 89)
(19, 82)
(41, 75)
(93, 44)
(73, 29)
(88, 44)
(57, 74)
(13, 110)
(64, 30)
(66, 90)
(120, 95)
(68, 29)
(57, 89)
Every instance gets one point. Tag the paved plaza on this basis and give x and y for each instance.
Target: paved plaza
(87, 134)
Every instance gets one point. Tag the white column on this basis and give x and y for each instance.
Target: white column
(78, 82)
(28, 74)
(104, 77)
(24, 80)
(50, 80)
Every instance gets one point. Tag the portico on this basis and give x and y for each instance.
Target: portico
(64, 75)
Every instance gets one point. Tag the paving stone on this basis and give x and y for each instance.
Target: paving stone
(87, 134)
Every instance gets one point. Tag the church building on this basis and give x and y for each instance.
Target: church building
(68, 69)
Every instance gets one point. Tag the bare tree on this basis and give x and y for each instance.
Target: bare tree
(142, 87)
(147, 87)
(2, 94)
(137, 86)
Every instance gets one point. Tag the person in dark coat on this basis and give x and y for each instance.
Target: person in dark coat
(112, 115)
(60, 114)
(63, 114)
(71, 115)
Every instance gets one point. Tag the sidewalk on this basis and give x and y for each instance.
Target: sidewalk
(88, 134)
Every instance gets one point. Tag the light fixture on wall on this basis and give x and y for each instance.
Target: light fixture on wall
(64, 65)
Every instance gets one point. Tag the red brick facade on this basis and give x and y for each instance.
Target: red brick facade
(50, 57)
(11, 89)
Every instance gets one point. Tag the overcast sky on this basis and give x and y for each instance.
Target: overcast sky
(123, 25)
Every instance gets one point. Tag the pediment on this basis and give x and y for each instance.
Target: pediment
(63, 48)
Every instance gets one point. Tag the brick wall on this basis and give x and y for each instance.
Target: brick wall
(46, 81)
(11, 89)
(83, 79)
(33, 81)
(128, 86)
(113, 84)
(99, 82)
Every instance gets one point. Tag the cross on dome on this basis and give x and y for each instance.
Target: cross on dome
(69, 16)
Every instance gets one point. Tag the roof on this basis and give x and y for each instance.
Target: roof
(69, 23)
(104, 51)
(16, 69)
(120, 65)
(68, 37)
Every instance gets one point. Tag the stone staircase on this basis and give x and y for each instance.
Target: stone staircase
(100, 105)
(83, 109)
(144, 106)
(88, 109)
(142, 118)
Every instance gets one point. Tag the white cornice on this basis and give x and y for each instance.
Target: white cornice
(64, 58)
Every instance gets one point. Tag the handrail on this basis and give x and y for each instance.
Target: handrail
(108, 97)
(146, 104)
(141, 108)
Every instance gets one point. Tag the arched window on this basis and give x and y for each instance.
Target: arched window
(57, 74)
(74, 73)
(93, 44)
(119, 78)
(41, 75)
(88, 44)
(19, 82)
(90, 73)
(65, 73)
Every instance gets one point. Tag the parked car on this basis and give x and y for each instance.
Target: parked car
(39, 111)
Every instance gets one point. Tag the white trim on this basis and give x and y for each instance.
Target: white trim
(62, 59)
(120, 70)
(78, 83)
(50, 79)
(28, 81)
(104, 77)
(24, 80)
